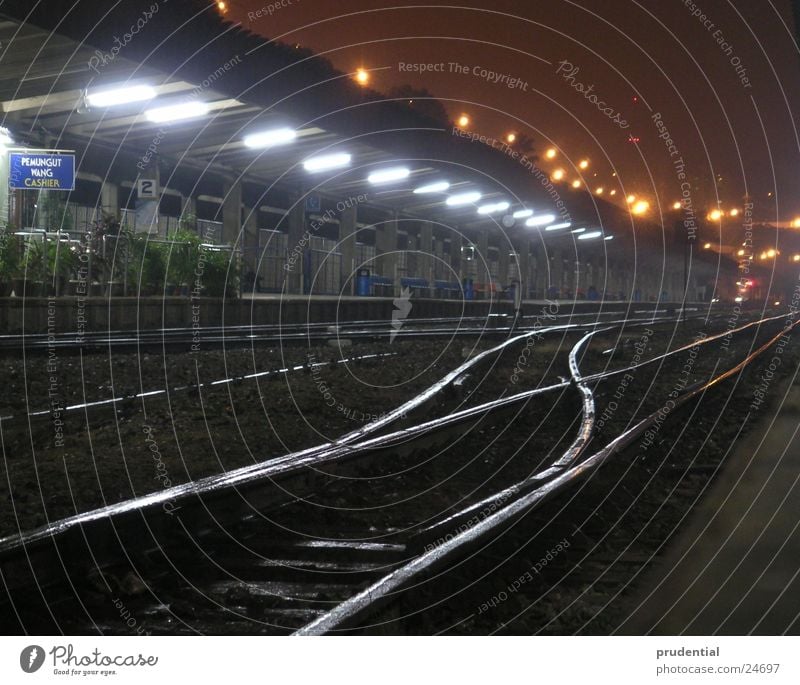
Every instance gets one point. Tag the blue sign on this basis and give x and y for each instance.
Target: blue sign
(41, 171)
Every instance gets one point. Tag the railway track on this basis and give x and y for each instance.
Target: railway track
(312, 542)
(260, 334)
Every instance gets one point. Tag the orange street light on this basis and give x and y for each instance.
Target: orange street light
(640, 207)
(558, 174)
(576, 184)
(511, 137)
(676, 205)
(630, 199)
(551, 153)
(463, 121)
(362, 76)
(584, 164)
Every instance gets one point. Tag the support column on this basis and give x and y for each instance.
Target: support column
(503, 260)
(297, 240)
(556, 272)
(482, 259)
(109, 199)
(231, 212)
(426, 248)
(523, 250)
(386, 250)
(250, 240)
(347, 247)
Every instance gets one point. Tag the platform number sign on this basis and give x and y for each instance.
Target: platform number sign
(147, 189)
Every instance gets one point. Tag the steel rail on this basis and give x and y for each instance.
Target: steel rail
(381, 590)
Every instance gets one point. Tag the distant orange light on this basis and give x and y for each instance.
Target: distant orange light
(740, 253)
(707, 246)
(558, 174)
(796, 258)
(770, 253)
(463, 121)
(551, 153)
(630, 199)
(796, 223)
(734, 212)
(222, 6)
(714, 215)
(600, 190)
(576, 184)
(362, 76)
(640, 207)
(511, 137)
(584, 164)
(612, 192)
(676, 205)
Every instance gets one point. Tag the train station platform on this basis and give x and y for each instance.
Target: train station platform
(735, 568)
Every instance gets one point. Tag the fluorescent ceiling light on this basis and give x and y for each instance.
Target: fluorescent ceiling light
(522, 213)
(578, 230)
(389, 175)
(5, 136)
(540, 220)
(277, 136)
(609, 237)
(325, 162)
(184, 110)
(493, 208)
(120, 96)
(590, 235)
(555, 227)
(438, 187)
(463, 199)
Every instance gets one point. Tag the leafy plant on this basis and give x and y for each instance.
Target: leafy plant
(221, 274)
(9, 254)
(182, 257)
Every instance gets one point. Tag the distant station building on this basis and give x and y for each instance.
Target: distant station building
(147, 120)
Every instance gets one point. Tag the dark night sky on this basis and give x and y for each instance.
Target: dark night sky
(654, 49)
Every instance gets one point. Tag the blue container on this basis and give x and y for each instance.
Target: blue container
(362, 283)
(469, 290)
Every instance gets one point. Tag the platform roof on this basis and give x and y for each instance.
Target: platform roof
(50, 60)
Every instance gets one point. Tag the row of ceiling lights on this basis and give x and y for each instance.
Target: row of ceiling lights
(337, 160)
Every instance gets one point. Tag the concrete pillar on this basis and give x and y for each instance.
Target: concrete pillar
(231, 211)
(426, 248)
(347, 247)
(503, 260)
(297, 239)
(188, 206)
(556, 271)
(482, 258)
(109, 198)
(386, 249)
(250, 240)
(523, 250)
